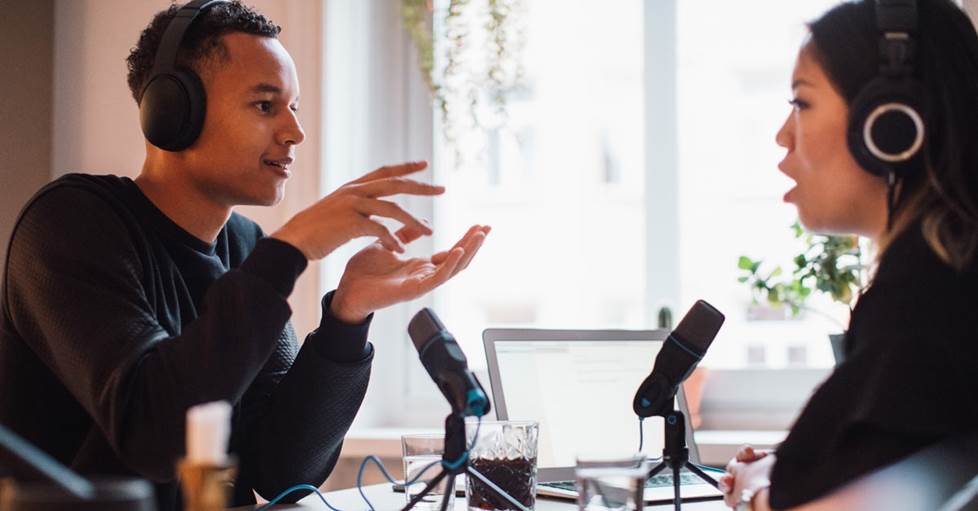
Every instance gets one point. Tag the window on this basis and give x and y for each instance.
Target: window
(561, 184)
(733, 85)
(564, 183)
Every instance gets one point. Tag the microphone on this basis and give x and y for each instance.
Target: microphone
(446, 364)
(680, 353)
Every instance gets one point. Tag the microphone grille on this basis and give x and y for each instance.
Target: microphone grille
(700, 325)
(423, 326)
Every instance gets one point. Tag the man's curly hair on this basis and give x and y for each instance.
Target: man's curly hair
(201, 44)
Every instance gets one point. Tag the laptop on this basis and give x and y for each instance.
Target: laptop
(579, 385)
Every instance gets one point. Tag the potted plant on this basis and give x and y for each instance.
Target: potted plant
(828, 264)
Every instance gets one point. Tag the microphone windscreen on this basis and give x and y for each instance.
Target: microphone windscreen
(423, 326)
(699, 326)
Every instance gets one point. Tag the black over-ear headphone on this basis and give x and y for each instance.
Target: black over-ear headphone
(173, 102)
(886, 129)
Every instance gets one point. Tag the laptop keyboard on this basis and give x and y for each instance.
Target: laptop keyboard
(664, 479)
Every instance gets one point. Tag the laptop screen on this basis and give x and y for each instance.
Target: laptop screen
(581, 393)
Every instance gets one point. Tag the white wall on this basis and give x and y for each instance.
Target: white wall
(96, 122)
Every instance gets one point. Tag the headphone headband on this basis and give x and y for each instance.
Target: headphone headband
(173, 103)
(166, 54)
(896, 15)
(896, 21)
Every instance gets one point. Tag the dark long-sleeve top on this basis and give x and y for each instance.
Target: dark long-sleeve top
(115, 321)
(909, 379)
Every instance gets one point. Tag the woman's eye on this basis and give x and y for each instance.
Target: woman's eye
(798, 104)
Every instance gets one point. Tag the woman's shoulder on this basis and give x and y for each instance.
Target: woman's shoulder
(911, 257)
(914, 281)
(917, 299)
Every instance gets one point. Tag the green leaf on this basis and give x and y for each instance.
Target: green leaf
(744, 263)
(796, 227)
(742, 279)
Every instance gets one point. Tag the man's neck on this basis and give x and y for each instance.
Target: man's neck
(184, 203)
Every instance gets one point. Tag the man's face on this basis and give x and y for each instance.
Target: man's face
(251, 127)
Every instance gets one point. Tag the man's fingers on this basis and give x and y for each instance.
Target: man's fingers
(384, 236)
(471, 248)
(465, 242)
(409, 233)
(439, 257)
(386, 171)
(395, 186)
(445, 270)
(391, 210)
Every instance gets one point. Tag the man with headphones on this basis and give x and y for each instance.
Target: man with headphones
(125, 302)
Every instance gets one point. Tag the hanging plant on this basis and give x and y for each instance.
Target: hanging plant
(483, 42)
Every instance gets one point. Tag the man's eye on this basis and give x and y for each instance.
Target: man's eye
(264, 106)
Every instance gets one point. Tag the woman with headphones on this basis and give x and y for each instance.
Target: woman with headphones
(879, 142)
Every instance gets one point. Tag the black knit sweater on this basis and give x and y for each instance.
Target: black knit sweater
(115, 321)
(908, 379)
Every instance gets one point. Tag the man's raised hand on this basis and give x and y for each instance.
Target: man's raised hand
(346, 213)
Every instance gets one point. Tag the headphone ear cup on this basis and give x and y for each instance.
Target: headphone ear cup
(886, 129)
(172, 108)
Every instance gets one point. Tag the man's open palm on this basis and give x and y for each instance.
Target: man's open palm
(376, 277)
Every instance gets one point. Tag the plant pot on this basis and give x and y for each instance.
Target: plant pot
(838, 342)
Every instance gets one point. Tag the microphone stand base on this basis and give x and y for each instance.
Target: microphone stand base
(675, 455)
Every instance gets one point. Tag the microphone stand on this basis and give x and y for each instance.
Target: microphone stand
(454, 464)
(675, 454)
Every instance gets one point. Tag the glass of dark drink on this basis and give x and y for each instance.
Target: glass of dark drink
(505, 452)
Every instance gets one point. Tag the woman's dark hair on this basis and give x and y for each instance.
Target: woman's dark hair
(943, 195)
(200, 45)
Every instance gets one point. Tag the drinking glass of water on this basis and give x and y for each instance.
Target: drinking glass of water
(611, 485)
(421, 452)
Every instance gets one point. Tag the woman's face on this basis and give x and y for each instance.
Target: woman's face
(832, 193)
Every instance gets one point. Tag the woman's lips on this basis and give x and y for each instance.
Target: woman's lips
(787, 195)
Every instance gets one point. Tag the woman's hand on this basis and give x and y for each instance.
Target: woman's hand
(749, 472)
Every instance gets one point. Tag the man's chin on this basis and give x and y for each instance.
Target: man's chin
(270, 197)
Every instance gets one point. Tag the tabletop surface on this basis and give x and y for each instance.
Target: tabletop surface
(384, 498)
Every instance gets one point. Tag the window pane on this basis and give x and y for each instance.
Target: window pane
(732, 88)
(561, 184)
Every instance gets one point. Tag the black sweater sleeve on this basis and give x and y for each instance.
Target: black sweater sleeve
(75, 292)
(300, 407)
